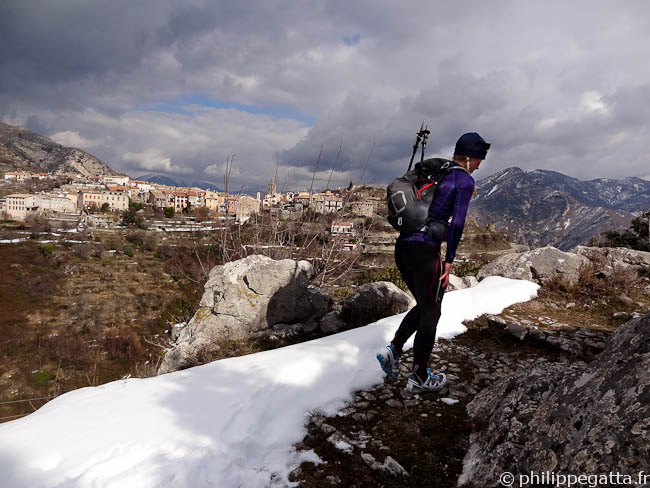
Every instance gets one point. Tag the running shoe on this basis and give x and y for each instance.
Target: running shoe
(434, 382)
(389, 362)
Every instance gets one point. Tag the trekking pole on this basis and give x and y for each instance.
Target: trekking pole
(424, 133)
(415, 146)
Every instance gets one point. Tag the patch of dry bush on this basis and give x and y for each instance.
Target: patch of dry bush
(122, 343)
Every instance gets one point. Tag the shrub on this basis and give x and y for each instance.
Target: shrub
(98, 251)
(46, 249)
(137, 238)
(41, 378)
(82, 251)
(637, 236)
(392, 274)
(201, 214)
(38, 225)
(129, 252)
(122, 343)
(466, 268)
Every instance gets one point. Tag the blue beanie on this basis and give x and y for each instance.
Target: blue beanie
(472, 145)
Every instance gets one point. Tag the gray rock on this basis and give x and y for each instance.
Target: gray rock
(458, 283)
(616, 256)
(572, 418)
(374, 301)
(517, 330)
(251, 297)
(369, 459)
(455, 283)
(537, 265)
(332, 322)
(394, 468)
(470, 281)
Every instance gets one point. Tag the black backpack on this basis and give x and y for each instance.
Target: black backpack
(409, 197)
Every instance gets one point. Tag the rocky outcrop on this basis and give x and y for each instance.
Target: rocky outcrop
(578, 341)
(538, 265)
(615, 257)
(571, 418)
(371, 302)
(252, 297)
(374, 301)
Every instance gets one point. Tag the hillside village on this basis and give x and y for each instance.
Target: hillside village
(97, 201)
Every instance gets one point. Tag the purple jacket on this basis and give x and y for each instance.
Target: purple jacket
(451, 200)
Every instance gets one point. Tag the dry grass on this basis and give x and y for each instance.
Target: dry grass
(78, 317)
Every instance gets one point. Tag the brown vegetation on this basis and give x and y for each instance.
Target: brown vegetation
(75, 316)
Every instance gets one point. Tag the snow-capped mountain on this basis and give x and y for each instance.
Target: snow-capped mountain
(543, 207)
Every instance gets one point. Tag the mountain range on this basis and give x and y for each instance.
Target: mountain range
(24, 150)
(544, 207)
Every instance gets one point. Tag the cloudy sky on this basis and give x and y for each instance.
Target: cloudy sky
(174, 87)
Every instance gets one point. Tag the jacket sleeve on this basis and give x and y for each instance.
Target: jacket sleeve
(464, 184)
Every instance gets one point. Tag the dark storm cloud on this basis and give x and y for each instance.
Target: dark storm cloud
(555, 85)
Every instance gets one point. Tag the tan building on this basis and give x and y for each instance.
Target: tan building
(303, 198)
(115, 180)
(340, 227)
(117, 200)
(327, 202)
(215, 202)
(158, 198)
(196, 198)
(61, 203)
(20, 205)
(368, 207)
(180, 201)
(247, 206)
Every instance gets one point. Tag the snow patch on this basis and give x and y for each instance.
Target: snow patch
(449, 401)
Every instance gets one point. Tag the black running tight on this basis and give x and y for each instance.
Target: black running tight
(421, 267)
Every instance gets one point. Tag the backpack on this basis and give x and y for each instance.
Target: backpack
(409, 196)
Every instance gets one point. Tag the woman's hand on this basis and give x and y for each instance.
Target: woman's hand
(445, 276)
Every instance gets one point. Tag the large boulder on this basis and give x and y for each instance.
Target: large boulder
(538, 265)
(250, 297)
(374, 301)
(615, 258)
(569, 418)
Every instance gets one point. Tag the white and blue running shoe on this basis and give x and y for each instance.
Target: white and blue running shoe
(389, 362)
(434, 382)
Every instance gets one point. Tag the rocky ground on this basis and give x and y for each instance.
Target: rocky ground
(387, 437)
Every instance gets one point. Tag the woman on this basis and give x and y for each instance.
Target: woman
(418, 259)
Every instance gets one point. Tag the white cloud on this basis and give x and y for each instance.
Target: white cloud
(592, 101)
(152, 160)
(552, 98)
(72, 139)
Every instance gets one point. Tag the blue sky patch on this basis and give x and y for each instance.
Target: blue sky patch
(179, 105)
(352, 40)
